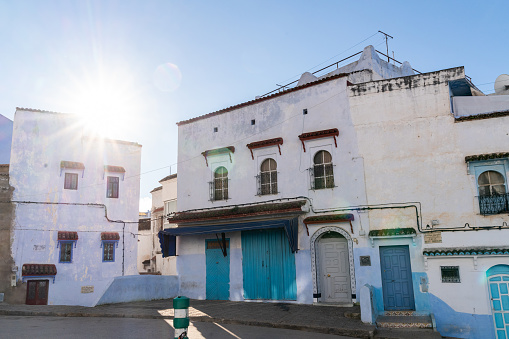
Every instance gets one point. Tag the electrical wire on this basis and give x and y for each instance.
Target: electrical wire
(335, 56)
(134, 176)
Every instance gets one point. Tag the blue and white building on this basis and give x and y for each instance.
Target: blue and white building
(373, 183)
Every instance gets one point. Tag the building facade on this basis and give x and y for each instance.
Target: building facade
(371, 176)
(164, 202)
(76, 210)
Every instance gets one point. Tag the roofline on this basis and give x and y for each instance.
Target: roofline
(168, 177)
(156, 189)
(77, 116)
(40, 111)
(413, 75)
(255, 101)
(115, 141)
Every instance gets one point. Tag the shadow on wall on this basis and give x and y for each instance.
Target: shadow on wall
(140, 288)
(461, 325)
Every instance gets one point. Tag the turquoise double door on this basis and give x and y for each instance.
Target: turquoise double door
(268, 265)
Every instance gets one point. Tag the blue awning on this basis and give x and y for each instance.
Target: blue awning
(290, 226)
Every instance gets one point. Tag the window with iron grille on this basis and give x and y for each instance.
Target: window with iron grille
(109, 251)
(71, 181)
(219, 187)
(493, 197)
(267, 179)
(450, 274)
(322, 174)
(112, 187)
(66, 251)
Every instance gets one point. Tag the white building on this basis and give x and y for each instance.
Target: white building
(164, 202)
(76, 210)
(350, 185)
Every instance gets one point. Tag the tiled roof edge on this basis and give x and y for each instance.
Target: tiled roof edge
(169, 177)
(487, 156)
(272, 208)
(156, 189)
(483, 116)
(40, 111)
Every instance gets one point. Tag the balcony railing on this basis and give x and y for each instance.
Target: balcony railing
(494, 204)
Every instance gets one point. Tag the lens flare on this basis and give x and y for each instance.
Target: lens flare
(167, 77)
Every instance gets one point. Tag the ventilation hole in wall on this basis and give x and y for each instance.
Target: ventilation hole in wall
(215, 129)
(305, 111)
(253, 122)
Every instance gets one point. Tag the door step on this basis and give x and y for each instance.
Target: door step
(403, 320)
(405, 333)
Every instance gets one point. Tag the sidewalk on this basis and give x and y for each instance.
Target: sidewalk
(322, 319)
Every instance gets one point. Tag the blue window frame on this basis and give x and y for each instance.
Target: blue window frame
(108, 247)
(491, 181)
(66, 251)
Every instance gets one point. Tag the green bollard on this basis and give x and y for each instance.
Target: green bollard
(181, 317)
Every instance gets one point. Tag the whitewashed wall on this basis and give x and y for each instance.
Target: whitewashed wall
(41, 140)
(282, 116)
(414, 152)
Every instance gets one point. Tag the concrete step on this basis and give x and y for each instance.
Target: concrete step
(404, 321)
(406, 333)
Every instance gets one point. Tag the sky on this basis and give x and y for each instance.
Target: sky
(136, 68)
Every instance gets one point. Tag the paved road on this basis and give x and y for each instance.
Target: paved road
(82, 327)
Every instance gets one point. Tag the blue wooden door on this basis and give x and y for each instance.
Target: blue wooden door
(499, 295)
(218, 271)
(397, 288)
(268, 265)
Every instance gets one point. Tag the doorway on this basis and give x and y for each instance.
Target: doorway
(397, 287)
(334, 269)
(37, 292)
(217, 270)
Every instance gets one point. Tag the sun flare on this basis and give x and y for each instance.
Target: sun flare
(107, 107)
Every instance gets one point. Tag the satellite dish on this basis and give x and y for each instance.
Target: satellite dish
(502, 85)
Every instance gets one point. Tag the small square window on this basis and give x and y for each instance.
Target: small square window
(71, 181)
(112, 187)
(109, 251)
(215, 129)
(66, 251)
(253, 122)
(304, 111)
(450, 274)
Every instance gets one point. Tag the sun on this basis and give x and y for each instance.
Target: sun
(107, 105)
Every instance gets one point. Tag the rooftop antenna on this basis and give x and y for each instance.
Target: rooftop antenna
(387, 43)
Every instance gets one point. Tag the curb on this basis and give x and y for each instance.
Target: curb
(357, 333)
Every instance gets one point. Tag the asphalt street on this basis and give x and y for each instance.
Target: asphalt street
(31, 327)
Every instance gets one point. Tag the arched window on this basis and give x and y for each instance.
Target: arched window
(322, 170)
(268, 177)
(221, 183)
(491, 183)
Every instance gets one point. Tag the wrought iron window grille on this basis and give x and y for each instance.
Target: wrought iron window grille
(319, 180)
(218, 189)
(266, 183)
(494, 204)
(450, 274)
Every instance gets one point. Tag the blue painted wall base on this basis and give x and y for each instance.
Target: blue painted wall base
(460, 325)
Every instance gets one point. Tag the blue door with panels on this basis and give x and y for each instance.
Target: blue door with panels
(397, 287)
(499, 295)
(268, 265)
(218, 270)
